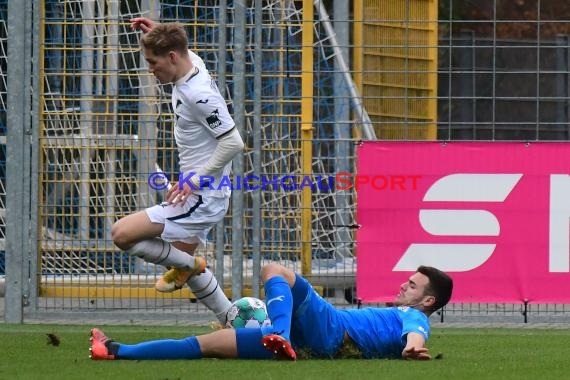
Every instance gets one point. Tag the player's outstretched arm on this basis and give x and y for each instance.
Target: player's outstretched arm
(415, 348)
(142, 23)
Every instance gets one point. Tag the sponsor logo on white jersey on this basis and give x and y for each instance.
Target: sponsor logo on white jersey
(213, 119)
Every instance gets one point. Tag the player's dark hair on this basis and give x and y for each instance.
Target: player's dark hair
(440, 286)
(166, 37)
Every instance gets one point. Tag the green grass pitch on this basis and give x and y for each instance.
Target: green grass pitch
(466, 354)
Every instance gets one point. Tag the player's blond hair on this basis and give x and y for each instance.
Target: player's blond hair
(164, 38)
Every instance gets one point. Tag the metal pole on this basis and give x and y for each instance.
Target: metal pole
(26, 174)
(256, 128)
(17, 159)
(31, 295)
(111, 105)
(538, 73)
(239, 115)
(450, 50)
(86, 116)
(222, 41)
(307, 83)
(342, 133)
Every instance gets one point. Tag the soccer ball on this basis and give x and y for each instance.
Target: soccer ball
(247, 312)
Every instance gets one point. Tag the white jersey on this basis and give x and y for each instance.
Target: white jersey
(202, 117)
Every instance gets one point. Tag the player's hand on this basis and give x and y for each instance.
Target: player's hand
(416, 353)
(142, 23)
(179, 194)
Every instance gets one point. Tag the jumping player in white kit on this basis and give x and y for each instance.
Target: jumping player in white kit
(207, 140)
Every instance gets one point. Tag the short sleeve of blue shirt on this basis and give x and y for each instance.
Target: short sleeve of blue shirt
(413, 321)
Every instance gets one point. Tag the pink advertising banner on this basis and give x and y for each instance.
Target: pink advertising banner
(495, 216)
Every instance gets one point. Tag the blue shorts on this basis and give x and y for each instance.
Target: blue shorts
(316, 325)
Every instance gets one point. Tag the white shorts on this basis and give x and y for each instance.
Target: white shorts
(191, 222)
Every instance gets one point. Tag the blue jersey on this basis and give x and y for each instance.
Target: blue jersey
(381, 332)
(377, 332)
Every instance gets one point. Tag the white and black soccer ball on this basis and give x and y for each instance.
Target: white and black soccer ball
(247, 312)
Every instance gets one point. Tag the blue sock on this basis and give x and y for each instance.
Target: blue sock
(279, 302)
(187, 348)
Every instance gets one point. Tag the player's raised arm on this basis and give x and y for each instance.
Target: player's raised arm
(142, 23)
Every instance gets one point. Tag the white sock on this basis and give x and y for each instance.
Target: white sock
(208, 291)
(158, 251)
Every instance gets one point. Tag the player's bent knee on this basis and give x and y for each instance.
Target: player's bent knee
(119, 237)
(272, 270)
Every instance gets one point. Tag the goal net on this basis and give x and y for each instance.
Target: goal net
(106, 125)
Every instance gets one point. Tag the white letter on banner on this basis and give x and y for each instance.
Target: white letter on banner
(459, 222)
(559, 228)
(446, 257)
(472, 188)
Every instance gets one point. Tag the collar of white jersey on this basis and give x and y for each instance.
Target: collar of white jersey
(186, 77)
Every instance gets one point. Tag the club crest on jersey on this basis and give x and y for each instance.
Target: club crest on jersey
(213, 119)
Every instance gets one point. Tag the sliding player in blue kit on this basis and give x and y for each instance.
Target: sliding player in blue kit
(302, 320)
